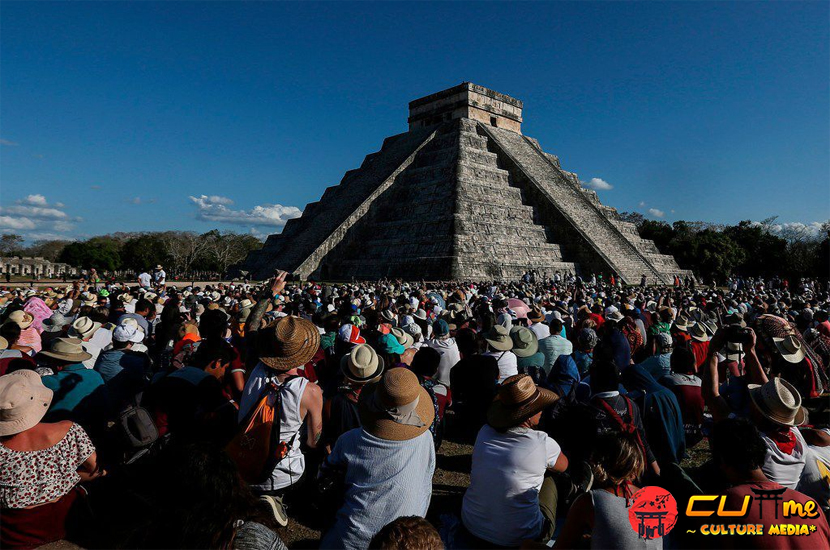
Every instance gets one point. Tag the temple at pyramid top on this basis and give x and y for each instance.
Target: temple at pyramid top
(463, 194)
(467, 100)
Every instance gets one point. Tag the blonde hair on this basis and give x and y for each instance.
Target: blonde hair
(616, 459)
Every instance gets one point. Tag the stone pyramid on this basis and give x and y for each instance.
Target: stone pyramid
(461, 195)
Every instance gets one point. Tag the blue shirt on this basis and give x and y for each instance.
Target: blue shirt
(79, 395)
(124, 373)
(658, 365)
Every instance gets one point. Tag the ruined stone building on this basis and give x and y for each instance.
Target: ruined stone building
(36, 268)
(462, 195)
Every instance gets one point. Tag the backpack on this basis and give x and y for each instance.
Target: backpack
(256, 448)
(627, 428)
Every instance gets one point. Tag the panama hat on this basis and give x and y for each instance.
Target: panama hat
(89, 299)
(779, 402)
(362, 365)
(683, 323)
(790, 349)
(396, 408)
(420, 314)
(84, 327)
(67, 349)
(387, 315)
(55, 323)
(518, 399)
(536, 316)
(403, 338)
(246, 304)
(698, 332)
(525, 342)
(23, 319)
(615, 316)
(24, 401)
(499, 338)
(288, 342)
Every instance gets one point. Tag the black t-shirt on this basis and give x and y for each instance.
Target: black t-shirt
(342, 416)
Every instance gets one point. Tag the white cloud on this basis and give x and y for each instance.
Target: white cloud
(36, 212)
(135, 200)
(597, 184)
(15, 222)
(214, 209)
(656, 212)
(46, 236)
(7, 143)
(63, 227)
(795, 230)
(642, 204)
(35, 200)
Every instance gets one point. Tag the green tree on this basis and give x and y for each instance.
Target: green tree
(144, 252)
(101, 253)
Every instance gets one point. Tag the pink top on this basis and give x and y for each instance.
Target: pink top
(29, 478)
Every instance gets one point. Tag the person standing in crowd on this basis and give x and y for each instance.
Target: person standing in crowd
(511, 498)
(386, 466)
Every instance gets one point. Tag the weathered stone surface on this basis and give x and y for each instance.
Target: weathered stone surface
(461, 195)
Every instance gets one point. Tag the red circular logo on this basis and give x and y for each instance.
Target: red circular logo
(653, 512)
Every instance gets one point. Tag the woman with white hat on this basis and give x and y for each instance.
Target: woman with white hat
(41, 464)
(29, 336)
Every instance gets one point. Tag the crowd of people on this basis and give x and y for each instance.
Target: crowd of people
(145, 415)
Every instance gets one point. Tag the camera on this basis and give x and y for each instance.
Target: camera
(738, 334)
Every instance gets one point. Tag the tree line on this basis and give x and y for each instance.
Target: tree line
(749, 249)
(182, 253)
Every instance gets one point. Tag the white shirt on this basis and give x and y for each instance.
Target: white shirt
(508, 366)
(101, 340)
(783, 468)
(502, 503)
(144, 279)
(449, 357)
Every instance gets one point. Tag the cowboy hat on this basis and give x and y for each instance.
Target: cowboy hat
(84, 327)
(55, 323)
(683, 323)
(420, 314)
(525, 342)
(536, 316)
(24, 401)
(246, 304)
(387, 315)
(790, 349)
(23, 319)
(362, 365)
(615, 316)
(499, 338)
(67, 349)
(518, 399)
(396, 408)
(403, 338)
(288, 342)
(734, 351)
(779, 402)
(698, 332)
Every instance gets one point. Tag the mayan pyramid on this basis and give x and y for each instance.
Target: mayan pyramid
(462, 195)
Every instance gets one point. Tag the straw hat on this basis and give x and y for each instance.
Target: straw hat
(536, 316)
(246, 304)
(499, 338)
(615, 316)
(790, 349)
(518, 399)
(698, 332)
(24, 401)
(525, 342)
(4, 344)
(397, 408)
(779, 402)
(683, 323)
(734, 351)
(55, 323)
(84, 327)
(362, 365)
(23, 319)
(70, 350)
(403, 338)
(288, 342)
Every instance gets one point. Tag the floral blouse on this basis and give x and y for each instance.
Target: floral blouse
(29, 478)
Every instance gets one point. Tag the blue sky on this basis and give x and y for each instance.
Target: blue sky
(113, 115)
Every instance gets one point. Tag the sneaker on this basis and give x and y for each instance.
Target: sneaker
(277, 508)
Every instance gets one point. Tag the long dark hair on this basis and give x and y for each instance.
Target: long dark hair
(196, 497)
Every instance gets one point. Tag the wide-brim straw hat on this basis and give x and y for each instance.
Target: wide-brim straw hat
(614, 316)
(403, 338)
(779, 402)
(525, 342)
(536, 316)
(70, 350)
(397, 388)
(23, 319)
(24, 401)
(698, 332)
(84, 327)
(4, 344)
(683, 323)
(362, 365)
(790, 348)
(499, 338)
(288, 342)
(518, 399)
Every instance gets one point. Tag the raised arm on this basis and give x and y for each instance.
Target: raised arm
(710, 384)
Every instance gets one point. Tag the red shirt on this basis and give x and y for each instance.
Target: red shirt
(820, 538)
(824, 328)
(701, 351)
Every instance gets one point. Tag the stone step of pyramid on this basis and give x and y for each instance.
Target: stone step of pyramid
(499, 270)
(466, 226)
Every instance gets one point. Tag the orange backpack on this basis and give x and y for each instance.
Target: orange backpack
(256, 448)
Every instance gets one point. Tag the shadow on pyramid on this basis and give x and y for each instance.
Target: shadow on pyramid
(462, 195)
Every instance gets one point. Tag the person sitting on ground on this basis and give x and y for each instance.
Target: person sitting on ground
(360, 367)
(94, 338)
(10, 350)
(687, 389)
(559, 344)
(11, 330)
(124, 371)
(387, 464)
(741, 452)
(529, 359)
(658, 365)
(474, 382)
(29, 335)
(583, 355)
(425, 366)
(407, 533)
(499, 345)
(511, 499)
(42, 464)
(603, 512)
(447, 347)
